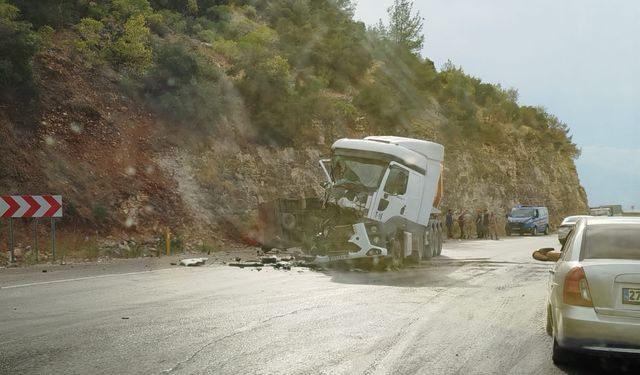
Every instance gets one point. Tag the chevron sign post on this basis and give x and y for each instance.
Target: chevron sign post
(31, 206)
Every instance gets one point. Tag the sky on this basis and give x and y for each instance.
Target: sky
(579, 59)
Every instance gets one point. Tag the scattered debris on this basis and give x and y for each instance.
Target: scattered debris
(125, 317)
(246, 264)
(269, 260)
(44, 271)
(173, 263)
(192, 262)
(237, 259)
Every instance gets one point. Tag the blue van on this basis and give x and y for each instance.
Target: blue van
(528, 219)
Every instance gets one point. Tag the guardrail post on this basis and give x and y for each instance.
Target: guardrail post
(12, 257)
(53, 238)
(35, 237)
(167, 241)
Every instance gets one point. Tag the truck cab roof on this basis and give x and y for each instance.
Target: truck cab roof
(412, 152)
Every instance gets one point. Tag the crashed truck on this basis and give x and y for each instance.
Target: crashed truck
(381, 204)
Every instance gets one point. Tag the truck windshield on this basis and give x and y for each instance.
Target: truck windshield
(365, 172)
(522, 212)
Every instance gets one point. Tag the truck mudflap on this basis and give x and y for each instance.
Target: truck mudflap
(360, 239)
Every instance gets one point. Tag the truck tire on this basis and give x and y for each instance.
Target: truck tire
(426, 241)
(416, 248)
(439, 240)
(433, 249)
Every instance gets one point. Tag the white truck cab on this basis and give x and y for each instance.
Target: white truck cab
(395, 184)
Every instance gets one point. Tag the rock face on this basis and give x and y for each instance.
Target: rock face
(120, 168)
(476, 176)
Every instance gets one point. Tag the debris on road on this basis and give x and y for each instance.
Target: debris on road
(192, 262)
(546, 254)
(269, 260)
(246, 264)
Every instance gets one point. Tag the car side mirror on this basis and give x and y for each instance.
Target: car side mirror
(546, 254)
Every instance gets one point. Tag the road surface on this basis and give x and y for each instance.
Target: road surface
(477, 309)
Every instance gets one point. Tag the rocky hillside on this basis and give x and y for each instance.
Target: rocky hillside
(147, 116)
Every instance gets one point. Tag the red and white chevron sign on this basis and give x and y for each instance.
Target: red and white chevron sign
(30, 206)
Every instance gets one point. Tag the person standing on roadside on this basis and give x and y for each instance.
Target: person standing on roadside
(461, 224)
(485, 224)
(449, 223)
(493, 226)
(479, 224)
(468, 222)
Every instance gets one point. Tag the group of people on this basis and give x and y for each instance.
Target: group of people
(484, 222)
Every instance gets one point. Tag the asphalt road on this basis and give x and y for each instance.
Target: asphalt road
(477, 309)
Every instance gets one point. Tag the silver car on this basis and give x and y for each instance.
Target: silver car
(594, 290)
(566, 226)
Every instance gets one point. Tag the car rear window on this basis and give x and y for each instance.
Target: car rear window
(612, 241)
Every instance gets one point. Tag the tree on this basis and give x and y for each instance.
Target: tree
(404, 28)
(18, 45)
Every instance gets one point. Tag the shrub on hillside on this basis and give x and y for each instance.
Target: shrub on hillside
(131, 50)
(18, 45)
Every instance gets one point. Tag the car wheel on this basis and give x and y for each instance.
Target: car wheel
(534, 230)
(546, 230)
(561, 356)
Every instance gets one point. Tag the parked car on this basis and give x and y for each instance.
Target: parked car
(566, 226)
(594, 290)
(527, 219)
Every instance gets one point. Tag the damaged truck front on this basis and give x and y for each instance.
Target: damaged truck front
(381, 204)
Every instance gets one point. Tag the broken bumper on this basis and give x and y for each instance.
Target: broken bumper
(361, 240)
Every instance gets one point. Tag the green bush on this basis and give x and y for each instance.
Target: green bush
(18, 45)
(131, 50)
(92, 42)
(55, 13)
(100, 213)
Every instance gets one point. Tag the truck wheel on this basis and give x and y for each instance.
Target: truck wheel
(440, 241)
(433, 249)
(416, 249)
(426, 249)
(546, 230)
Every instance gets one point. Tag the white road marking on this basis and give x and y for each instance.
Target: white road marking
(83, 278)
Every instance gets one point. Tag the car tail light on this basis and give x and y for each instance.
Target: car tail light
(576, 289)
